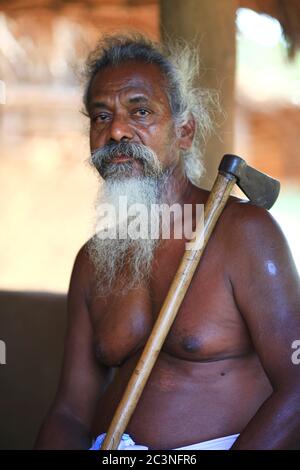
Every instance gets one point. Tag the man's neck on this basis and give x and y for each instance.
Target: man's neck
(177, 188)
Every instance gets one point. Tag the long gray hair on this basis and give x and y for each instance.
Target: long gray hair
(179, 63)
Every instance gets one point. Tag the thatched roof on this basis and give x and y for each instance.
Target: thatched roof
(287, 12)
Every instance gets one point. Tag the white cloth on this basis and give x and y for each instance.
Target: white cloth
(221, 443)
(126, 443)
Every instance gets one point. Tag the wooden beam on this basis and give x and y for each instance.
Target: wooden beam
(211, 24)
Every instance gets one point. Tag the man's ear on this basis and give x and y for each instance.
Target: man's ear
(186, 133)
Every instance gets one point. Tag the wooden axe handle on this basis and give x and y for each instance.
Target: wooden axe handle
(213, 208)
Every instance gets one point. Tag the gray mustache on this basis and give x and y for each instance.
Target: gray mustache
(102, 156)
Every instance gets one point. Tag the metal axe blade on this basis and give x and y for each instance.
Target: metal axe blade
(260, 188)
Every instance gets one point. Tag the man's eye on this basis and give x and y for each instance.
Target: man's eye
(100, 117)
(142, 112)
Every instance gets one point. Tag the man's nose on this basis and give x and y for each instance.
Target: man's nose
(120, 129)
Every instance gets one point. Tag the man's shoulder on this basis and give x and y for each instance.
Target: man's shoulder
(243, 223)
(242, 215)
(83, 267)
(82, 258)
(249, 228)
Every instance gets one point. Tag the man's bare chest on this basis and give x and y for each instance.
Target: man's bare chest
(208, 325)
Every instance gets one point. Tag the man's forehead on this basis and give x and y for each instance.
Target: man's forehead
(137, 80)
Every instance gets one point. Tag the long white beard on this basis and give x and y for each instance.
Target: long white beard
(120, 263)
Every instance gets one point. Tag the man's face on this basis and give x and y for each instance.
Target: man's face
(128, 103)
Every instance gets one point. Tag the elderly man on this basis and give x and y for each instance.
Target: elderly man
(224, 378)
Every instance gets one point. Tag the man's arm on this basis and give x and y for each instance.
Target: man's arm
(68, 423)
(266, 289)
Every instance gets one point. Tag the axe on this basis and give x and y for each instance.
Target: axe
(261, 190)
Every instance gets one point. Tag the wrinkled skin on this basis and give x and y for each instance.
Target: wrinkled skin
(226, 366)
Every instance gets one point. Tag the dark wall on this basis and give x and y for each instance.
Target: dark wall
(32, 325)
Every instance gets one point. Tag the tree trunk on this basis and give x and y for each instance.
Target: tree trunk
(211, 25)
